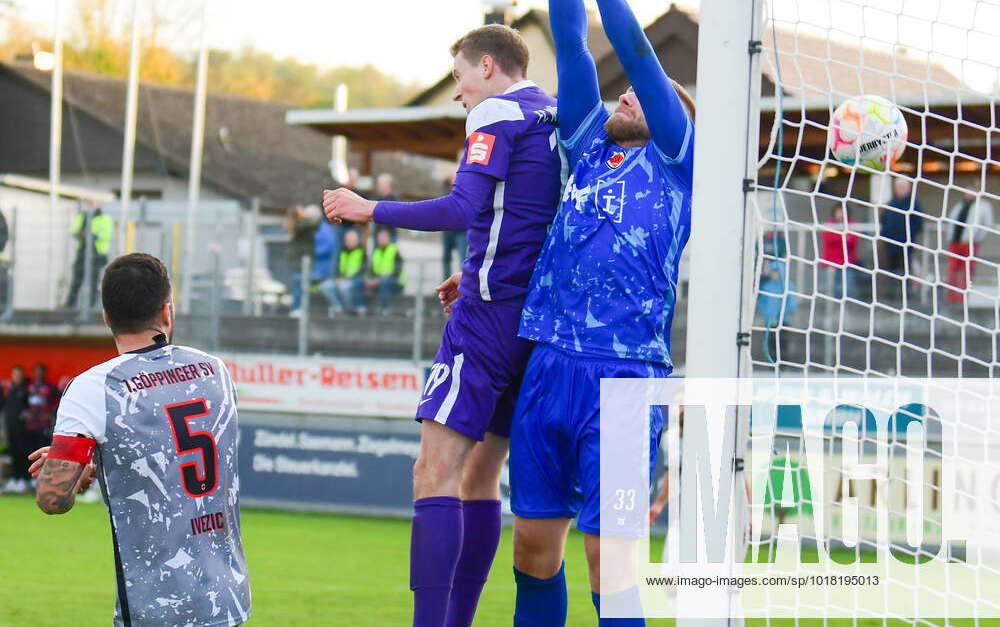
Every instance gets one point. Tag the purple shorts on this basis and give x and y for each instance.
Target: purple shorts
(473, 385)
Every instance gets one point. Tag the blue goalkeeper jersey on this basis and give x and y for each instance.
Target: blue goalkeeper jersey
(606, 280)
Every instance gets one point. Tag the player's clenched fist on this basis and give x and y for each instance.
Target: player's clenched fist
(343, 204)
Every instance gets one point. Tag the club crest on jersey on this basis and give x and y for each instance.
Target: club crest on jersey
(480, 148)
(616, 160)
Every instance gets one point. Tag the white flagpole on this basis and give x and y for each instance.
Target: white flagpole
(55, 149)
(338, 166)
(128, 148)
(194, 179)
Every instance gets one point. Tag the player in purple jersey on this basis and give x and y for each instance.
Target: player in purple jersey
(505, 193)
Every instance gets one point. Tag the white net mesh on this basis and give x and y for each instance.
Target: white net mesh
(906, 302)
(867, 274)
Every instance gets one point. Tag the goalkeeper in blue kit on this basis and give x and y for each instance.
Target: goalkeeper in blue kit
(601, 299)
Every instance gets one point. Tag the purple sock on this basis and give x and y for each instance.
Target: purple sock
(435, 543)
(479, 547)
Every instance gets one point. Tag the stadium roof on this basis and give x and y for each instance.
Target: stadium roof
(430, 131)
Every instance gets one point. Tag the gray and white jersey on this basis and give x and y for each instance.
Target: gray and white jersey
(164, 419)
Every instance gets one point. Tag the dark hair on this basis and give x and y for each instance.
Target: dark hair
(134, 289)
(503, 43)
(19, 368)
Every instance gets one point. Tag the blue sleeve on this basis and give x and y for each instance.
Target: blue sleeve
(579, 92)
(454, 212)
(669, 126)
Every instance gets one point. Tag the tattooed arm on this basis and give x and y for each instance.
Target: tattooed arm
(58, 483)
(65, 472)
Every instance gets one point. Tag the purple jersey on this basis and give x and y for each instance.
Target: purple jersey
(512, 139)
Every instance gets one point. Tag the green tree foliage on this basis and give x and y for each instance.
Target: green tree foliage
(257, 74)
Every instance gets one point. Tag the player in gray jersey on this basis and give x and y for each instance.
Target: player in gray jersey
(157, 426)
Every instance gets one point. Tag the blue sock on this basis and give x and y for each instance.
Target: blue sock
(626, 602)
(540, 602)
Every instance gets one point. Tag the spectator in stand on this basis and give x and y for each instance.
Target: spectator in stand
(326, 251)
(383, 191)
(900, 227)
(43, 400)
(15, 410)
(776, 304)
(100, 228)
(453, 241)
(301, 226)
(387, 270)
(967, 224)
(774, 244)
(338, 230)
(346, 291)
(839, 256)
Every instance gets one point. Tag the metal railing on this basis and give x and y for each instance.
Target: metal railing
(417, 270)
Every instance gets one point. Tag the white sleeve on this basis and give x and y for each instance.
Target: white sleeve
(82, 409)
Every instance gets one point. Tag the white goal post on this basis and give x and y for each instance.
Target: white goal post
(804, 268)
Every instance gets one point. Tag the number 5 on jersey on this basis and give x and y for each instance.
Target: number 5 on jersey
(195, 484)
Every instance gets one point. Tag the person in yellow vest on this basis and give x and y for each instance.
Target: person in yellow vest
(101, 229)
(346, 291)
(387, 270)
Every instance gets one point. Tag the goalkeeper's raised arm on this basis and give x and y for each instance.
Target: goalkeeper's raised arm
(579, 91)
(669, 125)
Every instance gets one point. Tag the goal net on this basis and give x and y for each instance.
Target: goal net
(860, 274)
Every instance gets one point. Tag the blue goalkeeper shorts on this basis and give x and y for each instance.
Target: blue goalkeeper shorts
(555, 438)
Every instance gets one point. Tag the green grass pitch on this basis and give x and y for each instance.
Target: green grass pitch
(305, 569)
